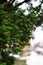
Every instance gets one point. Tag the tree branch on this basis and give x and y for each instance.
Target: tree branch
(19, 4)
(25, 1)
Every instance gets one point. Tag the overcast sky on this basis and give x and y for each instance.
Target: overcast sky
(34, 3)
(24, 5)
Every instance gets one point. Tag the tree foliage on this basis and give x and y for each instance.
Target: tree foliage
(16, 27)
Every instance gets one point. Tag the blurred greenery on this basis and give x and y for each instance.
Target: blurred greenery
(3, 64)
(16, 29)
